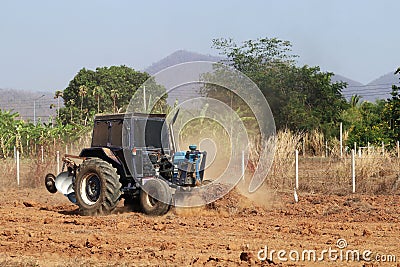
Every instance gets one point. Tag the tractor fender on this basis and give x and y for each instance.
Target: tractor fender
(105, 154)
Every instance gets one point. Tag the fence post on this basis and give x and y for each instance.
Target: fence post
(15, 154)
(17, 167)
(341, 139)
(297, 168)
(383, 148)
(326, 149)
(353, 170)
(58, 162)
(42, 151)
(398, 149)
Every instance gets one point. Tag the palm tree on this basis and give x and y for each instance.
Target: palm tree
(98, 92)
(82, 92)
(57, 96)
(114, 95)
(71, 104)
(355, 100)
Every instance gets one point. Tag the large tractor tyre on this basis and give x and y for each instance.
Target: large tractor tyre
(97, 187)
(155, 197)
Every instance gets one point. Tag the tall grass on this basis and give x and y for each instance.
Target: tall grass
(282, 171)
(34, 166)
(375, 173)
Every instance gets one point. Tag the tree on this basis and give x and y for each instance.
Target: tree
(253, 55)
(71, 104)
(301, 98)
(57, 96)
(98, 92)
(392, 112)
(121, 78)
(82, 92)
(355, 100)
(365, 123)
(114, 95)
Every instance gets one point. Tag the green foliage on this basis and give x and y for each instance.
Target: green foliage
(106, 89)
(252, 55)
(301, 98)
(25, 135)
(365, 123)
(392, 112)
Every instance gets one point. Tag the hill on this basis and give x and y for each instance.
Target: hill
(184, 92)
(177, 57)
(379, 88)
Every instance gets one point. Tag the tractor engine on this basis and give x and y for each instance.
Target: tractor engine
(189, 167)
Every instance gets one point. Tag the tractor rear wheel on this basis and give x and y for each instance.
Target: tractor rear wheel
(155, 197)
(97, 187)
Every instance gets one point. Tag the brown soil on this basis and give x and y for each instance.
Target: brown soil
(40, 229)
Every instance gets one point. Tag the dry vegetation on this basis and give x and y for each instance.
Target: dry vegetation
(375, 173)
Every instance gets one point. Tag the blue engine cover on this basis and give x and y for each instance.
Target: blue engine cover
(179, 157)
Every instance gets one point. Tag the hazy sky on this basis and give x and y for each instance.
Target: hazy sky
(44, 43)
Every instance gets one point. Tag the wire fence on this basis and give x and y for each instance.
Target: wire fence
(372, 172)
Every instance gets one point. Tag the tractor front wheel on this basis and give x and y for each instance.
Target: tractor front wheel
(155, 197)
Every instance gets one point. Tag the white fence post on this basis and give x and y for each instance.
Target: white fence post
(297, 168)
(58, 162)
(17, 167)
(383, 148)
(326, 149)
(42, 151)
(353, 170)
(341, 139)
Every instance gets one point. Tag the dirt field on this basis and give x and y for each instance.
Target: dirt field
(40, 229)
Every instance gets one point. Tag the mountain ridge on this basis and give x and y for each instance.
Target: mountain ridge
(379, 88)
(24, 102)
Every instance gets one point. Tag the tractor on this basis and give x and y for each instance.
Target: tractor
(131, 157)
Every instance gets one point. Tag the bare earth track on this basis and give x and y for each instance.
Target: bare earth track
(40, 229)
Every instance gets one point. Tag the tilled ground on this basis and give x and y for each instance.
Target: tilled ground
(40, 229)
